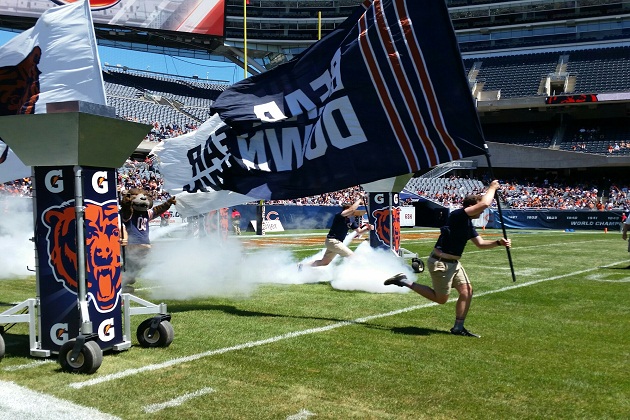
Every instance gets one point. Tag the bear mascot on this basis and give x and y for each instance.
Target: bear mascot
(136, 210)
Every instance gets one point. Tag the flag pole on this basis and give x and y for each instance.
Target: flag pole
(245, 36)
(319, 25)
(498, 200)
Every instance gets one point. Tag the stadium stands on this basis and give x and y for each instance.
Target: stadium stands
(526, 193)
(445, 191)
(601, 70)
(604, 136)
(595, 70)
(150, 98)
(515, 76)
(517, 54)
(535, 134)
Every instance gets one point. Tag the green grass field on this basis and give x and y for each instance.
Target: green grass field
(554, 346)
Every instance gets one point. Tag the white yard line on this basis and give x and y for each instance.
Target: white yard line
(154, 408)
(251, 344)
(302, 415)
(34, 364)
(17, 402)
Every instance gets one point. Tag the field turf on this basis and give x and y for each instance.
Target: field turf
(554, 344)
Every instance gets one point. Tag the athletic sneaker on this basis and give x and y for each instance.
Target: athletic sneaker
(464, 332)
(396, 280)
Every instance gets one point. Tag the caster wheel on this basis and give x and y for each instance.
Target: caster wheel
(417, 265)
(161, 337)
(2, 348)
(88, 361)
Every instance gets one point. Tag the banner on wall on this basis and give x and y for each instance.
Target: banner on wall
(556, 219)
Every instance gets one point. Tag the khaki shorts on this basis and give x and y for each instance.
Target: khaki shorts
(446, 274)
(336, 247)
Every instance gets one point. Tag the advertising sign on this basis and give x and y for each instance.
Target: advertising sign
(556, 219)
(205, 17)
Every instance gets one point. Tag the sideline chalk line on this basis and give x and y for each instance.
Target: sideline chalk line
(33, 364)
(294, 334)
(154, 408)
(17, 402)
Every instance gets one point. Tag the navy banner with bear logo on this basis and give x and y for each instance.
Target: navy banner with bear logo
(56, 241)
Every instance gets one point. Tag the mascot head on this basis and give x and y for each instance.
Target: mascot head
(136, 199)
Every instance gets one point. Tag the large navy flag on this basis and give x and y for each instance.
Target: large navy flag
(383, 95)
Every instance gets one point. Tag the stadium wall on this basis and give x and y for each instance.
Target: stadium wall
(320, 217)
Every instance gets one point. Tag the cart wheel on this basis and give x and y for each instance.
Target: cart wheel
(162, 336)
(88, 361)
(417, 265)
(1, 347)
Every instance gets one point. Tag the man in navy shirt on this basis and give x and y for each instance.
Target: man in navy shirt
(443, 263)
(342, 223)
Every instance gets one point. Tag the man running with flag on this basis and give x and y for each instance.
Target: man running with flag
(341, 224)
(443, 263)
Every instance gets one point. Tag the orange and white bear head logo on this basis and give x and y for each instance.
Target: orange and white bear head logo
(19, 85)
(103, 269)
(382, 228)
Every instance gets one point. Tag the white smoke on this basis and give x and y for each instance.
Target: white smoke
(17, 251)
(186, 269)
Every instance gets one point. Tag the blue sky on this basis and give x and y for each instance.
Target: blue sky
(181, 66)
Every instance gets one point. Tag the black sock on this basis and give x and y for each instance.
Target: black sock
(459, 324)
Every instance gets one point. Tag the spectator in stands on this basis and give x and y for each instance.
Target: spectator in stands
(19, 188)
(443, 264)
(341, 224)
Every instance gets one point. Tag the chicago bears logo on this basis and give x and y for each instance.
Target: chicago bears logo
(102, 240)
(102, 250)
(94, 4)
(381, 226)
(61, 241)
(19, 85)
